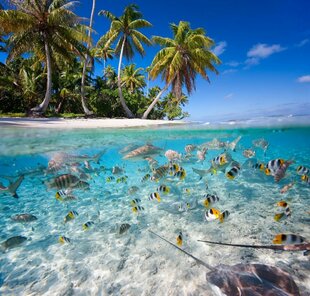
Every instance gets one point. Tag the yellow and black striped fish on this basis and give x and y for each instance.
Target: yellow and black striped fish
(160, 172)
(210, 199)
(63, 239)
(146, 178)
(110, 179)
(122, 179)
(137, 209)
(135, 202)
(288, 239)
(180, 239)
(181, 174)
(173, 168)
(273, 165)
(163, 188)
(258, 166)
(223, 216)
(87, 225)
(70, 216)
(277, 217)
(154, 195)
(212, 214)
(302, 170)
(234, 171)
(306, 179)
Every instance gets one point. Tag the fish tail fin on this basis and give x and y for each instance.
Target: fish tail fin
(183, 251)
(201, 173)
(14, 186)
(234, 143)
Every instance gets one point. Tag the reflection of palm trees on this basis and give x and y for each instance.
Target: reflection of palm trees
(181, 59)
(125, 29)
(46, 28)
(132, 78)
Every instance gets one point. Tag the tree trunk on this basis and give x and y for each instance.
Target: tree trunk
(43, 106)
(129, 114)
(83, 98)
(150, 108)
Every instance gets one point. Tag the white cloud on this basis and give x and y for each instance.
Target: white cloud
(220, 48)
(303, 79)
(229, 96)
(229, 71)
(233, 64)
(302, 43)
(261, 51)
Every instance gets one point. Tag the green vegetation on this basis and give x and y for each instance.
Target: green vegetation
(50, 55)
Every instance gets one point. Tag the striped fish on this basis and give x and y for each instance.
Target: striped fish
(63, 181)
(160, 172)
(288, 239)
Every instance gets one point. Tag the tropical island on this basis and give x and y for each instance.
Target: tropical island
(50, 60)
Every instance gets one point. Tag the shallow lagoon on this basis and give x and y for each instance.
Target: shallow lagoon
(100, 261)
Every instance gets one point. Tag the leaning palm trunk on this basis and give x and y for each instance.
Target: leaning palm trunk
(43, 106)
(150, 108)
(129, 114)
(85, 109)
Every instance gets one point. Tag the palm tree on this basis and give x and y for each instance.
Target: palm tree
(42, 28)
(85, 109)
(181, 59)
(124, 29)
(132, 78)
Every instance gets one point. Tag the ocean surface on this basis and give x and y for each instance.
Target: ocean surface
(116, 254)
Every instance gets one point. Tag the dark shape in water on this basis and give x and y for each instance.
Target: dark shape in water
(24, 218)
(247, 279)
(13, 242)
(123, 228)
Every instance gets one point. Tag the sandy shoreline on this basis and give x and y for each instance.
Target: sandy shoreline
(82, 123)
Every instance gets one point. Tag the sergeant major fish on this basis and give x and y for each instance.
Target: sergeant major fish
(63, 181)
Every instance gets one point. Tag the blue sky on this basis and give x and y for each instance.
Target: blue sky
(264, 47)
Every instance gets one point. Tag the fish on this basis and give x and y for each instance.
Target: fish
(63, 181)
(201, 154)
(53, 167)
(288, 239)
(273, 166)
(245, 279)
(153, 163)
(116, 170)
(302, 170)
(214, 144)
(259, 166)
(66, 158)
(63, 239)
(172, 155)
(155, 195)
(163, 188)
(142, 151)
(12, 187)
(287, 187)
(181, 174)
(201, 173)
(280, 173)
(110, 179)
(128, 148)
(135, 202)
(70, 216)
(210, 199)
(261, 143)
(122, 179)
(132, 190)
(124, 227)
(81, 185)
(190, 148)
(24, 218)
(87, 225)
(160, 172)
(146, 178)
(173, 168)
(180, 239)
(248, 153)
(306, 179)
(63, 195)
(234, 171)
(212, 214)
(13, 242)
(220, 162)
(137, 209)
(223, 216)
(277, 217)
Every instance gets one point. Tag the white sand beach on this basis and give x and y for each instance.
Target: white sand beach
(61, 123)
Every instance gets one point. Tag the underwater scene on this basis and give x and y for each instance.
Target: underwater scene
(137, 211)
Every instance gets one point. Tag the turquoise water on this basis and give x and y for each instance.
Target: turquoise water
(101, 261)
